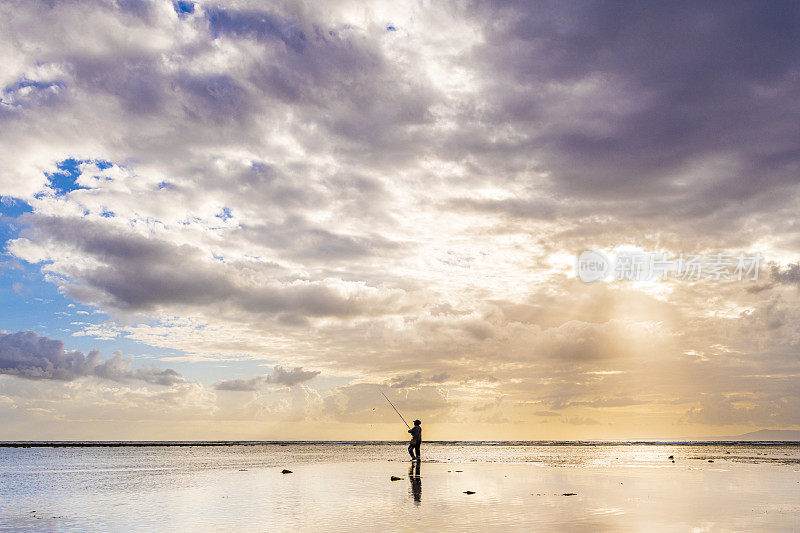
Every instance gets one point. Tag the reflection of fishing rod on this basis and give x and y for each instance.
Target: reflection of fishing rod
(395, 409)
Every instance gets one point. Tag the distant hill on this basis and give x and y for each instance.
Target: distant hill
(764, 435)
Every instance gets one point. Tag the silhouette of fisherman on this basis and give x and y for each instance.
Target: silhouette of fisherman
(416, 440)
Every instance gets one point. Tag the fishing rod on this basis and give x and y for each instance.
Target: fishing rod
(395, 409)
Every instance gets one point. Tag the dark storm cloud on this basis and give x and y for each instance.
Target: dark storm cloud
(335, 76)
(302, 241)
(143, 88)
(219, 98)
(416, 379)
(789, 275)
(252, 384)
(138, 8)
(297, 375)
(27, 355)
(279, 376)
(257, 25)
(643, 100)
(141, 273)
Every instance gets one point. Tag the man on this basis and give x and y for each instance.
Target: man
(416, 440)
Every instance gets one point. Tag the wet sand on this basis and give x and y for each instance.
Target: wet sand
(515, 488)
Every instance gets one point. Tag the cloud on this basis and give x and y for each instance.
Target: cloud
(657, 131)
(363, 401)
(132, 272)
(405, 206)
(27, 355)
(292, 377)
(252, 384)
(118, 368)
(718, 410)
(259, 25)
(581, 421)
(611, 402)
(279, 376)
(789, 275)
(416, 379)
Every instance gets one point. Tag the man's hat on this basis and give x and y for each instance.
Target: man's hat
(417, 422)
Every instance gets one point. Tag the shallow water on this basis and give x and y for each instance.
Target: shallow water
(341, 486)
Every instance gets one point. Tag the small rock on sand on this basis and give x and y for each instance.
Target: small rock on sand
(569, 494)
(469, 492)
(671, 457)
(395, 478)
(711, 460)
(284, 471)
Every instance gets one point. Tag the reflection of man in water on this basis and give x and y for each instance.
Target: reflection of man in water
(416, 481)
(416, 440)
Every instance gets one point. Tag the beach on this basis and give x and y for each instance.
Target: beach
(349, 487)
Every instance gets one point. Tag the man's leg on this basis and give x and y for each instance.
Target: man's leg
(411, 450)
(416, 449)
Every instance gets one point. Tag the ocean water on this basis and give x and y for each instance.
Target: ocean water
(348, 487)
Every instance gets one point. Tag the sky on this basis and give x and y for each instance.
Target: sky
(244, 220)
